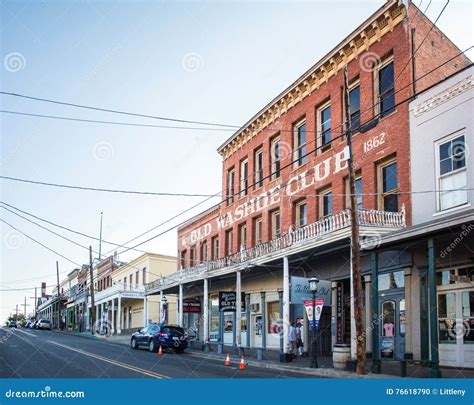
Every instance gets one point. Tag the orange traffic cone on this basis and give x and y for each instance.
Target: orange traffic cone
(227, 360)
(242, 363)
(160, 352)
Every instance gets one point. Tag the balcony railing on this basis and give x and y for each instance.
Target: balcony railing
(325, 226)
(119, 287)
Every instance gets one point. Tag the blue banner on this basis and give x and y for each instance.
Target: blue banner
(238, 391)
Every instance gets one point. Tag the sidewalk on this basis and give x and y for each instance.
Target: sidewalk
(271, 360)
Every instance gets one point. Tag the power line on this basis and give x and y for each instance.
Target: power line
(105, 190)
(65, 228)
(116, 111)
(41, 244)
(131, 124)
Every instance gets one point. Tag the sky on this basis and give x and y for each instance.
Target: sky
(212, 61)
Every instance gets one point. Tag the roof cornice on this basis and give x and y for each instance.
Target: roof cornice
(369, 32)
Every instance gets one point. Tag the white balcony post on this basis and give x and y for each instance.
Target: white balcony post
(206, 314)
(238, 310)
(180, 306)
(119, 313)
(145, 311)
(113, 316)
(286, 304)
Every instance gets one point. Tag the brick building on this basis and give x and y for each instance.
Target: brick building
(284, 215)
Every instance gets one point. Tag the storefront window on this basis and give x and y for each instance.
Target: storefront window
(273, 319)
(468, 316)
(214, 327)
(387, 348)
(392, 280)
(402, 317)
(447, 317)
(243, 323)
(445, 277)
(466, 275)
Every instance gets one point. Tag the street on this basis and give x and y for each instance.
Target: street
(43, 354)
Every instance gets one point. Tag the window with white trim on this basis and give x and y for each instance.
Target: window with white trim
(244, 176)
(324, 127)
(301, 213)
(258, 165)
(452, 172)
(299, 135)
(275, 157)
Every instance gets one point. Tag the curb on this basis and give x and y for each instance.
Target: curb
(320, 372)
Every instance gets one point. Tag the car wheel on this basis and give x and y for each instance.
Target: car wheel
(152, 346)
(133, 344)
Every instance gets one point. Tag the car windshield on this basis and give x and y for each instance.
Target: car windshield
(173, 329)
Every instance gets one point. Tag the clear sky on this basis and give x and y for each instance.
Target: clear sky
(214, 61)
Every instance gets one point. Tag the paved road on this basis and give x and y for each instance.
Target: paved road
(43, 354)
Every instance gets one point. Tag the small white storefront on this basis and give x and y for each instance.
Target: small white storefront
(456, 317)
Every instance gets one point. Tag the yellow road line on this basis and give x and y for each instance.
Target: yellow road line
(114, 362)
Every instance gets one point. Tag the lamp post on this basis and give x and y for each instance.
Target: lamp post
(313, 287)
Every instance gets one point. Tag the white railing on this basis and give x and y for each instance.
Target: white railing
(119, 287)
(320, 228)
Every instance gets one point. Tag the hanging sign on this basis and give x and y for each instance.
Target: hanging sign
(318, 309)
(191, 305)
(228, 301)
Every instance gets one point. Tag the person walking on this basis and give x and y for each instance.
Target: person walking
(300, 341)
(292, 338)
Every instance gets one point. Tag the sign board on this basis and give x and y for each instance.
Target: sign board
(192, 305)
(300, 292)
(228, 299)
(318, 309)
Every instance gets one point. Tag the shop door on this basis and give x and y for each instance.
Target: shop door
(392, 326)
(456, 328)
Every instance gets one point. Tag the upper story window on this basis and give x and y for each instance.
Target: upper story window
(243, 236)
(230, 186)
(183, 259)
(244, 176)
(137, 278)
(324, 126)
(144, 276)
(215, 247)
(131, 280)
(325, 202)
(258, 164)
(386, 88)
(275, 224)
(358, 187)
(354, 107)
(192, 256)
(388, 186)
(275, 157)
(452, 172)
(229, 241)
(258, 230)
(203, 252)
(301, 213)
(299, 134)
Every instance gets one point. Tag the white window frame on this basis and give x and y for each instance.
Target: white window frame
(273, 161)
(319, 127)
(297, 146)
(437, 145)
(298, 206)
(386, 61)
(258, 171)
(244, 180)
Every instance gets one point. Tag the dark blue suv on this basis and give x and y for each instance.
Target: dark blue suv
(156, 335)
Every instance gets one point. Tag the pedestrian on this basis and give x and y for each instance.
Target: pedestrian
(300, 341)
(292, 338)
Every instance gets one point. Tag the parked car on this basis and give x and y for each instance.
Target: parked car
(35, 324)
(44, 324)
(12, 324)
(156, 335)
(28, 324)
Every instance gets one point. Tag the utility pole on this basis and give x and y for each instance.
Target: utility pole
(16, 313)
(58, 295)
(91, 272)
(24, 308)
(355, 248)
(35, 302)
(100, 237)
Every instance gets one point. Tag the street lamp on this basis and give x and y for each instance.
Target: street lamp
(313, 287)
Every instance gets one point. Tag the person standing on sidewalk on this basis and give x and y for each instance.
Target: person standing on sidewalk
(292, 338)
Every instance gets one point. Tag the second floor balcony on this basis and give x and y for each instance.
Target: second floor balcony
(372, 224)
(125, 290)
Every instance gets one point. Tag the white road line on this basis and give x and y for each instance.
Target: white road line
(27, 333)
(114, 362)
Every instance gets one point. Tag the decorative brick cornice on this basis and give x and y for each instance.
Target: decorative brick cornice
(444, 96)
(371, 31)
